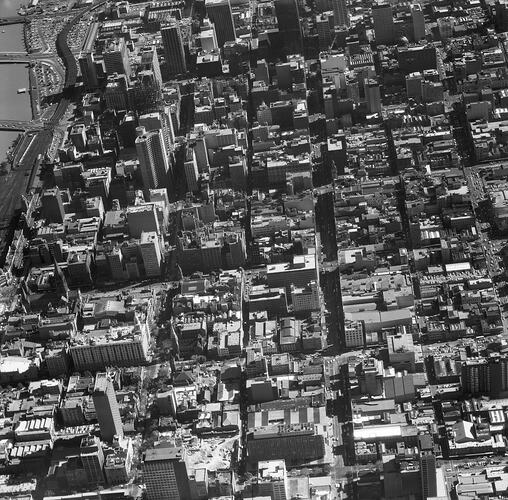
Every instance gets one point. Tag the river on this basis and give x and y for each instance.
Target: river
(13, 106)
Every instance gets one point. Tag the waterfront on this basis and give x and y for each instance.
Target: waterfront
(13, 106)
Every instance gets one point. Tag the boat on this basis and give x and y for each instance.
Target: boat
(22, 90)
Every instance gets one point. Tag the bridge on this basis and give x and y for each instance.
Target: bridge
(20, 125)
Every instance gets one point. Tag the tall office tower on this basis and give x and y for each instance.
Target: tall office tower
(151, 253)
(501, 15)
(475, 376)
(207, 36)
(150, 61)
(382, 16)
(106, 408)
(153, 158)
(88, 70)
(324, 30)
(262, 73)
(191, 170)
(418, 21)
(116, 58)
(92, 457)
(427, 466)
(165, 473)
(288, 19)
(52, 208)
(159, 120)
(372, 95)
(173, 49)
(340, 13)
(219, 12)
(414, 86)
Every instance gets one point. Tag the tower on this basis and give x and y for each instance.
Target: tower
(88, 70)
(382, 17)
(288, 19)
(116, 58)
(151, 253)
(106, 408)
(52, 208)
(92, 458)
(153, 158)
(165, 473)
(150, 61)
(428, 473)
(173, 49)
(219, 12)
(340, 13)
(372, 95)
(418, 21)
(159, 120)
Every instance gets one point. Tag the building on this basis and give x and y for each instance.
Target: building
(340, 13)
(52, 208)
(159, 120)
(501, 15)
(106, 408)
(141, 218)
(125, 345)
(150, 62)
(153, 158)
(324, 22)
(299, 273)
(372, 95)
(219, 12)
(92, 458)
(191, 170)
(418, 22)
(151, 253)
(88, 70)
(116, 58)
(288, 19)
(384, 29)
(174, 49)
(272, 480)
(165, 473)
(428, 474)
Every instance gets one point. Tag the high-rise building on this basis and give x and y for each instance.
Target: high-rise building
(372, 95)
(418, 21)
(501, 15)
(106, 408)
(414, 86)
(92, 458)
(191, 170)
(116, 58)
(340, 13)
(428, 473)
(165, 473)
(324, 24)
(159, 120)
(382, 17)
(88, 70)
(151, 253)
(475, 376)
(288, 19)
(219, 12)
(173, 49)
(150, 61)
(52, 208)
(153, 158)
